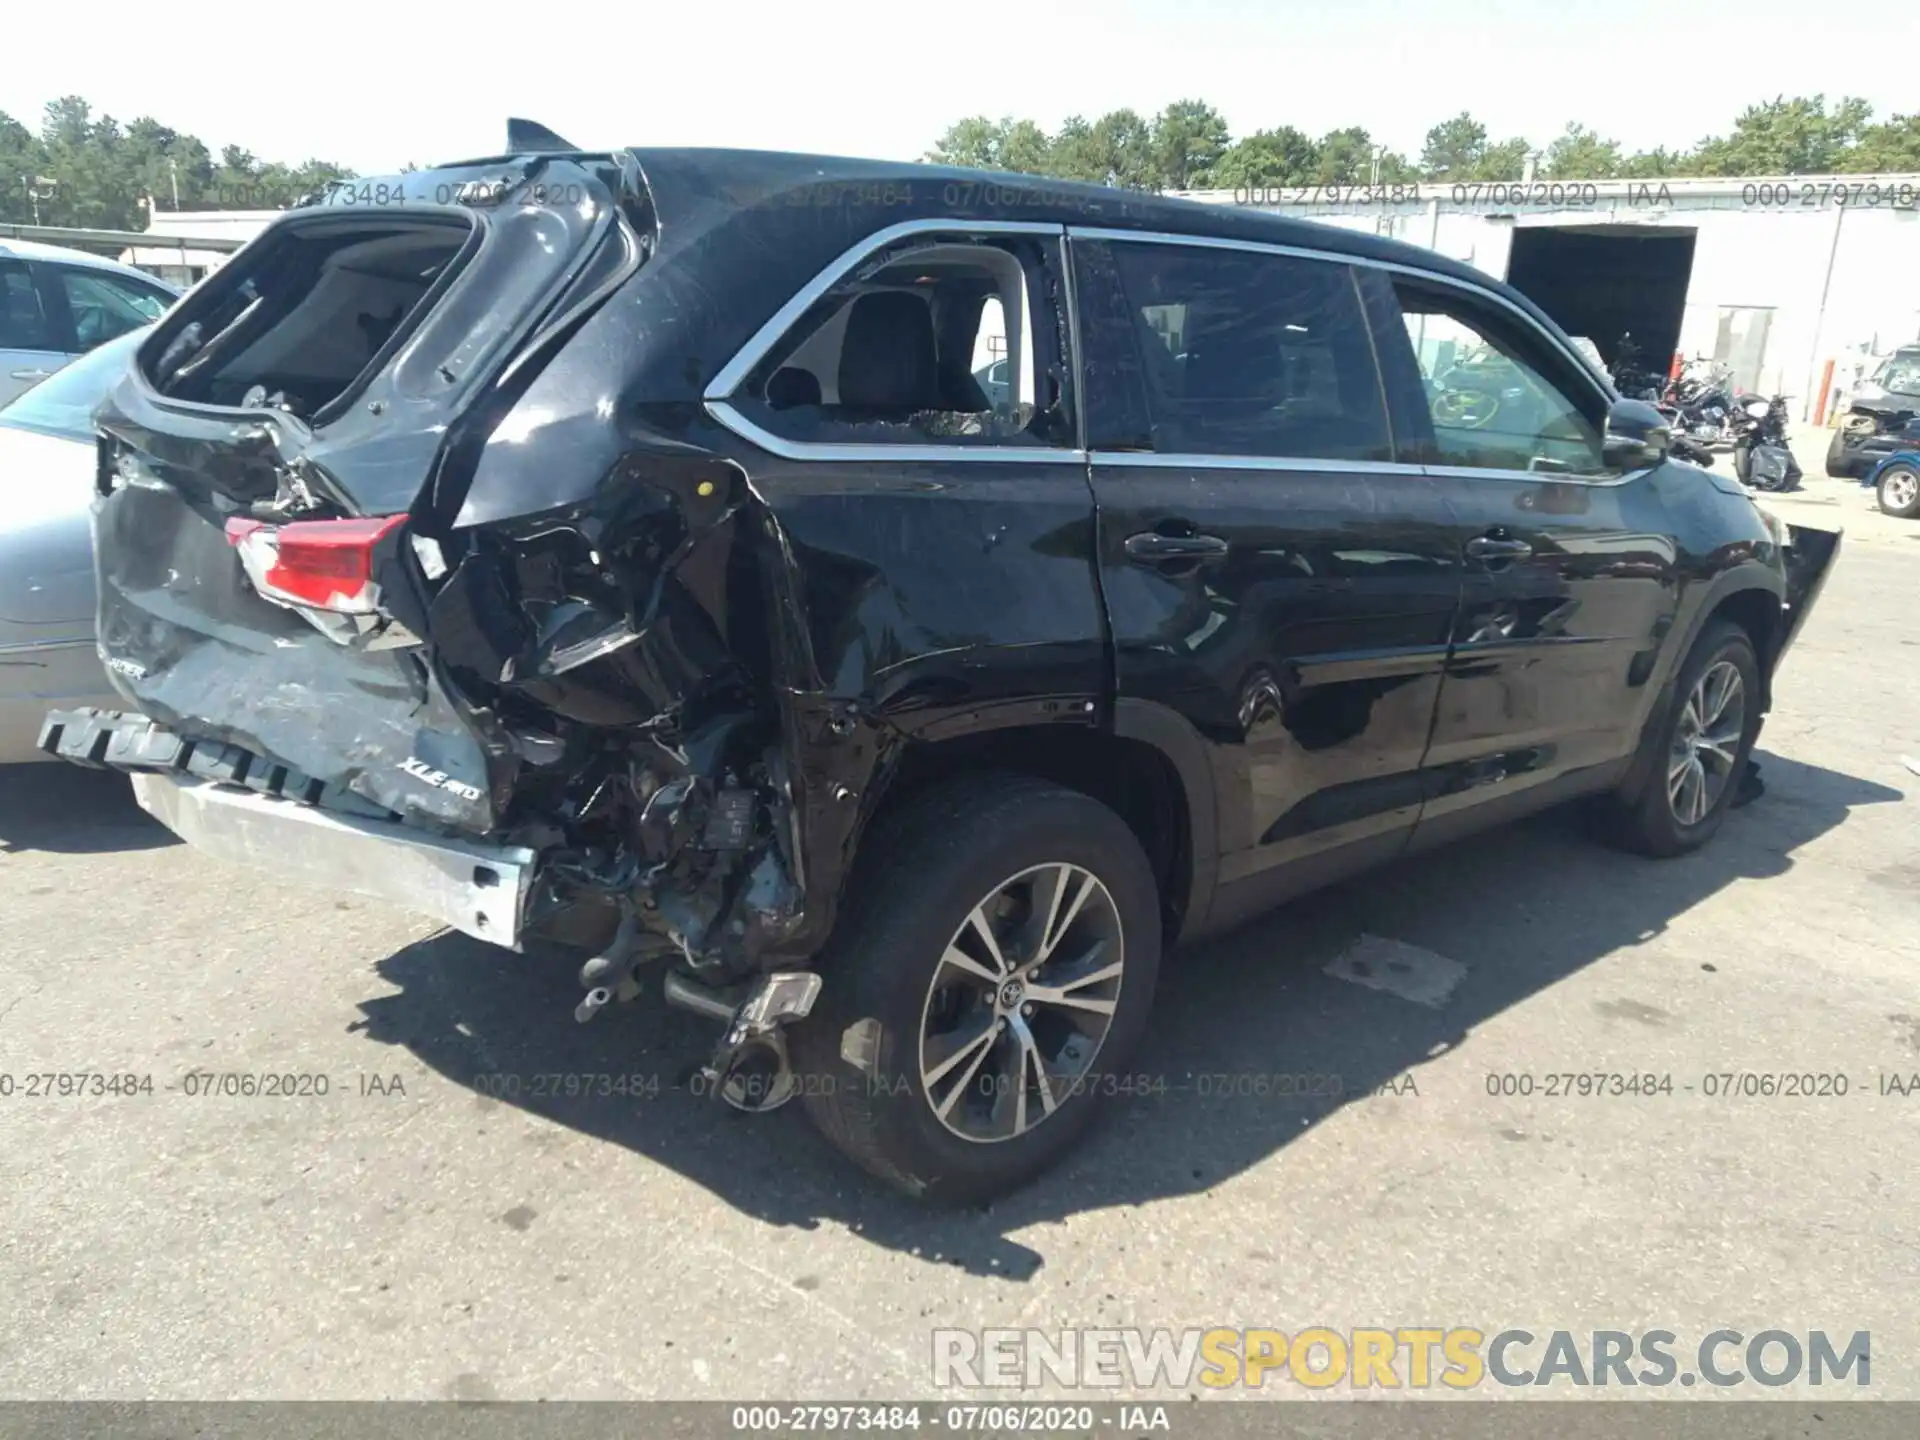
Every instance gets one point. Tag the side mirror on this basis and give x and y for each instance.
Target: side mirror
(1637, 436)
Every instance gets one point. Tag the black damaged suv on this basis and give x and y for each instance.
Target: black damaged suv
(620, 552)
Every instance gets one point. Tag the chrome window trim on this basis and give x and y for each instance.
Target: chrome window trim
(1263, 247)
(1155, 461)
(1532, 477)
(736, 370)
(719, 391)
(724, 412)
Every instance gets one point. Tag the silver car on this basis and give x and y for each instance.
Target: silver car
(57, 303)
(47, 654)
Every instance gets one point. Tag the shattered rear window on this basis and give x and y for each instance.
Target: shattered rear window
(310, 315)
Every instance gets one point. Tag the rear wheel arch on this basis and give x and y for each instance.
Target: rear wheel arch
(1140, 769)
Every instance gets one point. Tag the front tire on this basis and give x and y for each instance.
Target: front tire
(1899, 490)
(1696, 748)
(1839, 467)
(997, 959)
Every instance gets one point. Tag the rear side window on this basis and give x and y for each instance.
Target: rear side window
(1252, 354)
(947, 343)
(104, 306)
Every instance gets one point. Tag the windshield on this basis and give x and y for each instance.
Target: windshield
(1902, 373)
(63, 403)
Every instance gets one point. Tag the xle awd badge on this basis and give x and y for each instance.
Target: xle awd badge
(439, 779)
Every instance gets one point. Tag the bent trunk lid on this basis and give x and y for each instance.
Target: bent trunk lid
(335, 368)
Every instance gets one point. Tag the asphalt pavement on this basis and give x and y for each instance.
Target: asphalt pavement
(436, 1211)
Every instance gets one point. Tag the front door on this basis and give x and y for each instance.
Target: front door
(1571, 578)
(32, 334)
(1270, 572)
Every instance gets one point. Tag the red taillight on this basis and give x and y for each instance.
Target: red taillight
(323, 564)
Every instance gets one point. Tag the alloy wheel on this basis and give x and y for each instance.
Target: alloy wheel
(1021, 1002)
(1899, 487)
(1706, 743)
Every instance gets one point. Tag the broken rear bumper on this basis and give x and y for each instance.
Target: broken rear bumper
(481, 890)
(236, 806)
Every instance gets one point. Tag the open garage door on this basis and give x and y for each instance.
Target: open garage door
(1608, 281)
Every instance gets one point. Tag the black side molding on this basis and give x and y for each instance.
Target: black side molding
(122, 740)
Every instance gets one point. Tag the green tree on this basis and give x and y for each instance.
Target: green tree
(21, 159)
(1283, 156)
(979, 143)
(1785, 137)
(1455, 149)
(1656, 164)
(83, 163)
(1116, 149)
(1580, 154)
(1892, 147)
(1505, 161)
(1458, 149)
(1343, 157)
(1189, 137)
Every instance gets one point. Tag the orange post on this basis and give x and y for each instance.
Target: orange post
(1679, 364)
(1826, 389)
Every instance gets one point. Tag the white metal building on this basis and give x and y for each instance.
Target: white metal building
(185, 264)
(1778, 276)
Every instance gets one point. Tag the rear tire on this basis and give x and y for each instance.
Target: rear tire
(1694, 750)
(1898, 488)
(922, 1069)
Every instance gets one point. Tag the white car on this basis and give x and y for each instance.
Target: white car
(57, 303)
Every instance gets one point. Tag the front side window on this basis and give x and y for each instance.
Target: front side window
(1251, 354)
(105, 306)
(1494, 399)
(956, 342)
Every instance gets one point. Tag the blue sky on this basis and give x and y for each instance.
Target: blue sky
(375, 85)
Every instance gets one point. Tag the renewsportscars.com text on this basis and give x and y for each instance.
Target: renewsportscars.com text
(1395, 1358)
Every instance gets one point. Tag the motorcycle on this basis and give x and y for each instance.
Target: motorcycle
(1681, 448)
(1703, 404)
(1631, 377)
(1761, 456)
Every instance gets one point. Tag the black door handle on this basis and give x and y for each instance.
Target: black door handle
(1152, 548)
(1498, 547)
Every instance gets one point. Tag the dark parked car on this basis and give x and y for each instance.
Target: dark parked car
(616, 551)
(1882, 418)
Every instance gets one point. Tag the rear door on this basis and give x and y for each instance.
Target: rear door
(1271, 573)
(1571, 577)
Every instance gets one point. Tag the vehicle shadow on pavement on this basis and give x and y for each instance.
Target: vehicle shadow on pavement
(74, 811)
(1521, 908)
